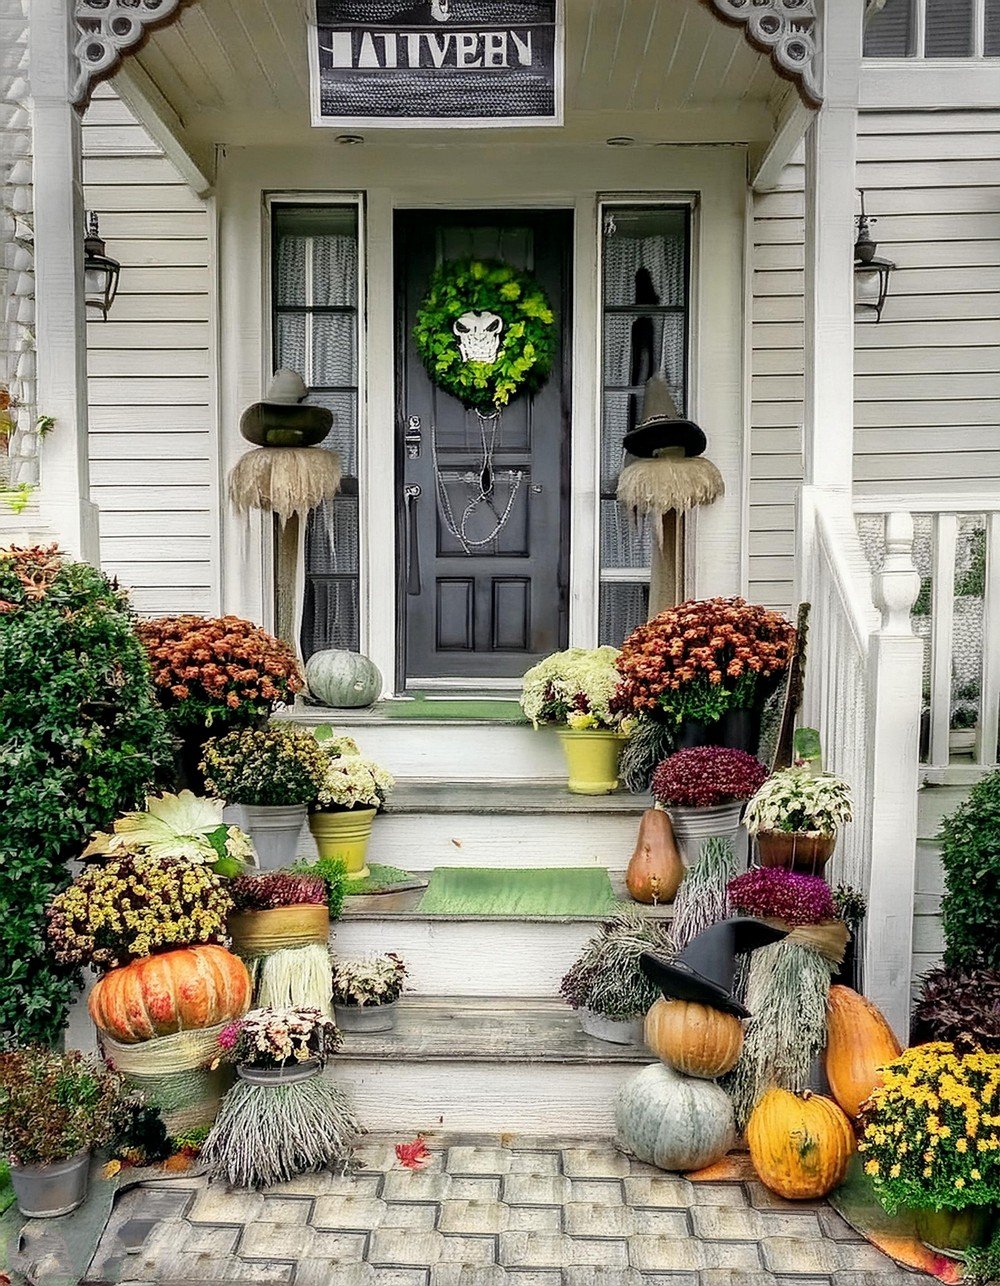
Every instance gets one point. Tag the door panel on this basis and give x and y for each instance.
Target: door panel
(484, 588)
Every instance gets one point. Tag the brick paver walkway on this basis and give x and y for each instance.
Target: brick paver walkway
(486, 1212)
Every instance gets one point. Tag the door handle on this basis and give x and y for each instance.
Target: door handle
(412, 439)
(411, 494)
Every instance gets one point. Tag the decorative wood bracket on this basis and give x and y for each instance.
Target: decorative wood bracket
(108, 30)
(785, 29)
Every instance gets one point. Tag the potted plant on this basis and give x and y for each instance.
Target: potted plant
(213, 674)
(704, 788)
(366, 992)
(705, 668)
(352, 790)
(929, 1143)
(795, 817)
(606, 984)
(280, 924)
(572, 691)
(55, 1109)
(274, 773)
(960, 1005)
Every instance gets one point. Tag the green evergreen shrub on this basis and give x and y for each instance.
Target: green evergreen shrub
(81, 737)
(970, 855)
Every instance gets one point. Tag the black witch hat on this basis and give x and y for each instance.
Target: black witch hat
(662, 425)
(704, 970)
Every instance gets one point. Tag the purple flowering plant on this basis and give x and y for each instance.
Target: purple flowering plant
(774, 894)
(706, 776)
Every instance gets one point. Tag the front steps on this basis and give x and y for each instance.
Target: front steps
(490, 1063)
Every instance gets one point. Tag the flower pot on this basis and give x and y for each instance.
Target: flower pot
(692, 826)
(740, 729)
(692, 732)
(275, 830)
(953, 1232)
(255, 933)
(344, 837)
(366, 1018)
(592, 759)
(806, 851)
(290, 1075)
(44, 1191)
(851, 971)
(616, 1031)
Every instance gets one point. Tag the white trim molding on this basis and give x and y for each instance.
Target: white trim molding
(107, 31)
(785, 29)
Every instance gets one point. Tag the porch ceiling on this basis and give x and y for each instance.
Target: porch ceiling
(661, 71)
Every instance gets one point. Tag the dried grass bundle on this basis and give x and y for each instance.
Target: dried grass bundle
(703, 898)
(293, 978)
(284, 480)
(654, 487)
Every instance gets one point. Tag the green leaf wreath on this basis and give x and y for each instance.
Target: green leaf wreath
(527, 343)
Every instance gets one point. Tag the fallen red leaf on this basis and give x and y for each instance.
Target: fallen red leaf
(414, 1156)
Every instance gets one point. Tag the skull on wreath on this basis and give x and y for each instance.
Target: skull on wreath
(479, 336)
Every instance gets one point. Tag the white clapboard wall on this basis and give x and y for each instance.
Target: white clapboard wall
(927, 396)
(152, 446)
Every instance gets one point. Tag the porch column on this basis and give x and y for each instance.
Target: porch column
(60, 317)
(831, 151)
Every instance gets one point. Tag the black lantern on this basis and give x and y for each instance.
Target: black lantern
(100, 271)
(871, 274)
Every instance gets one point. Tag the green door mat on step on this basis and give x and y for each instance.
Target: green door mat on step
(472, 890)
(495, 709)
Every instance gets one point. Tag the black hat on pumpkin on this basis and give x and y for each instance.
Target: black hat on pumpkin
(282, 419)
(703, 972)
(662, 425)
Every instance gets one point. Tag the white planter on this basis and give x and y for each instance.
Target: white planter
(365, 1018)
(290, 1075)
(692, 826)
(616, 1031)
(275, 831)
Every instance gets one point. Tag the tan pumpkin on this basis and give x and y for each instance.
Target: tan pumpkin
(177, 991)
(693, 1039)
(859, 1042)
(800, 1144)
(655, 869)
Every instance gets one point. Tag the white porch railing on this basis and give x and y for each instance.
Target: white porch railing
(862, 692)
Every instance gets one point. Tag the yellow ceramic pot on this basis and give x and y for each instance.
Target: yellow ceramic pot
(344, 837)
(592, 759)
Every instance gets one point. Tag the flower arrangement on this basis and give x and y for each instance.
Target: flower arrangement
(134, 906)
(931, 1130)
(276, 888)
(184, 825)
(53, 1106)
(773, 894)
(706, 776)
(960, 1006)
(210, 670)
(377, 981)
(573, 688)
(607, 977)
(796, 800)
(350, 781)
(280, 1037)
(698, 660)
(264, 766)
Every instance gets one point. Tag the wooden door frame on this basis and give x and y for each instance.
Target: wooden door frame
(568, 317)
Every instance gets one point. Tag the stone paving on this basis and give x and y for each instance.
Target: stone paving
(486, 1212)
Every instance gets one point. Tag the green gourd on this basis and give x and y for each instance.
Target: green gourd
(343, 680)
(674, 1122)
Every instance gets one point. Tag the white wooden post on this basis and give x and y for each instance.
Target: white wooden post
(61, 337)
(831, 151)
(895, 672)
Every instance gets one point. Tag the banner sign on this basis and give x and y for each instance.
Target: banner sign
(439, 63)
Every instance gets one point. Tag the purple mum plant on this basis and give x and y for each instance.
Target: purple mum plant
(773, 894)
(706, 776)
(276, 888)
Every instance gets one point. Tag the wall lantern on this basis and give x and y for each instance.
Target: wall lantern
(871, 274)
(100, 271)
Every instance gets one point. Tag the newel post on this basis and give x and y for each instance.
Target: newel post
(894, 700)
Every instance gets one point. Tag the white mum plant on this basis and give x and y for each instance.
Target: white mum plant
(796, 800)
(573, 688)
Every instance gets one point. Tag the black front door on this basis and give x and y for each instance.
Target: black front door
(483, 585)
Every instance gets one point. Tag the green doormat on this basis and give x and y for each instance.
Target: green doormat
(471, 890)
(384, 879)
(425, 707)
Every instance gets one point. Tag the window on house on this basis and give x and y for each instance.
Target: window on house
(315, 330)
(645, 289)
(933, 29)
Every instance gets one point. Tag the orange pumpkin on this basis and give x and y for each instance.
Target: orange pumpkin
(800, 1144)
(655, 869)
(694, 1039)
(859, 1043)
(176, 991)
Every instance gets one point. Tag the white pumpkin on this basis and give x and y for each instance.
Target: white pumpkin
(343, 680)
(674, 1122)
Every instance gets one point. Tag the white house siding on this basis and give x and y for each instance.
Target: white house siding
(927, 395)
(152, 441)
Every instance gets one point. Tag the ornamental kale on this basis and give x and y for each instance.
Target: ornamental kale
(774, 894)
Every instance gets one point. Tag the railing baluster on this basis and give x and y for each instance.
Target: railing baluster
(942, 633)
(989, 709)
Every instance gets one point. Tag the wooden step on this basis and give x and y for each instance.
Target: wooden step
(496, 1064)
(469, 955)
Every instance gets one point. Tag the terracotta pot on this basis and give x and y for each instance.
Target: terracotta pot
(804, 851)
(953, 1232)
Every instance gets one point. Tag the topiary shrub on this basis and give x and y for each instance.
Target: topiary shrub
(81, 737)
(970, 855)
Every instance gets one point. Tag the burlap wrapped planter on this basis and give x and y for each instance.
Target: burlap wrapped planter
(256, 933)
